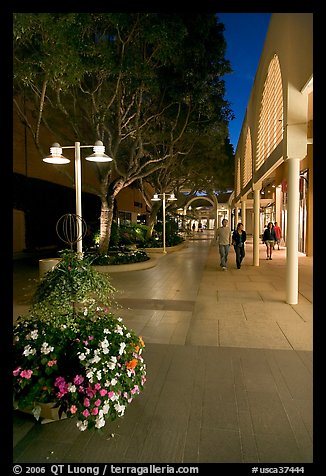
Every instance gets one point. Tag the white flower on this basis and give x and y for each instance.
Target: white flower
(95, 359)
(118, 330)
(71, 388)
(114, 382)
(106, 331)
(119, 408)
(100, 421)
(81, 356)
(33, 335)
(112, 363)
(106, 407)
(28, 350)
(105, 346)
(82, 425)
(89, 375)
(99, 374)
(46, 348)
(122, 348)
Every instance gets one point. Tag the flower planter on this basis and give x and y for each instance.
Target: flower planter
(48, 413)
(46, 264)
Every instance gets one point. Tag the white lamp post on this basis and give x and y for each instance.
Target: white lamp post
(56, 157)
(170, 199)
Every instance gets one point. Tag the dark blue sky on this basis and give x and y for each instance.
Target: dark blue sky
(245, 35)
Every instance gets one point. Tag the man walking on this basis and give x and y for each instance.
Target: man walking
(224, 240)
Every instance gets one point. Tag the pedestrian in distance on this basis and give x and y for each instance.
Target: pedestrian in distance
(224, 240)
(278, 234)
(239, 237)
(269, 238)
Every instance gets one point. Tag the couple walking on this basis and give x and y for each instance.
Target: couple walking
(225, 238)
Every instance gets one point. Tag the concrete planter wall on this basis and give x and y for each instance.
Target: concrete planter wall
(168, 249)
(48, 412)
(116, 268)
(46, 264)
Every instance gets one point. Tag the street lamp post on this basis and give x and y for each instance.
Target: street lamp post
(157, 199)
(57, 158)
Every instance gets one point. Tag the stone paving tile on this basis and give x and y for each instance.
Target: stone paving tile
(253, 286)
(219, 446)
(278, 448)
(274, 311)
(299, 334)
(224, 381)
(256, 334)
(239, 296)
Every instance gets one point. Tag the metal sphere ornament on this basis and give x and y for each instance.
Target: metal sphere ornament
(71, 228)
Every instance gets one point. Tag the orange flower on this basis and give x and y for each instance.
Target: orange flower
(132, 364)
(142, 343)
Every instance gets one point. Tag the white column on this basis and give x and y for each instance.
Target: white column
(164, 246)
(278, 205)
(78, 184)
(243, 213)
(256, 238)
(292, 231)
(236, 217)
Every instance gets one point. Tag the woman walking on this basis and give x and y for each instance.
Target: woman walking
(269, 238)
(239, 237)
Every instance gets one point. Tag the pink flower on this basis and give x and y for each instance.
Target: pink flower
(90, 337)
(103, 392)
(135, 390)
(86, 402)
(111, 394)
(86, 413)
(95, 411)
(97, 386)
(16, 371)
(51, 362)
(97, 403)
(26, 373)
(62, 385)
(90, 392)
(73, 409)
(78, 379)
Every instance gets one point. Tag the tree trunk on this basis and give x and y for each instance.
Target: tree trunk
(152, 218)
(107, 207)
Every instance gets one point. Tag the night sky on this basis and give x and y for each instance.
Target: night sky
(245, 35)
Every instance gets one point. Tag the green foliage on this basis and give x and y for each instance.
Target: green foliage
(132, 233)
(148, 85)
(120, 257)
(88, 364)
(72, 281)
(70, 350)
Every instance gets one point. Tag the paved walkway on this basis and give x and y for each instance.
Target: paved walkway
(229, 366)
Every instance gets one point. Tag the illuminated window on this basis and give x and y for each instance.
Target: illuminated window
(247, 166)
(270, 128)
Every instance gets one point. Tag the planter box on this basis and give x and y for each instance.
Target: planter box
(168, 249)
(46, 264)
(48, 413)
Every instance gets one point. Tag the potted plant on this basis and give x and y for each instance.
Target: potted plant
(72, 352)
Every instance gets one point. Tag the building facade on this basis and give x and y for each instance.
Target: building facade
(274, 154)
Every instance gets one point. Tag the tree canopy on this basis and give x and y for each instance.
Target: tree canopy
(149, 85)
